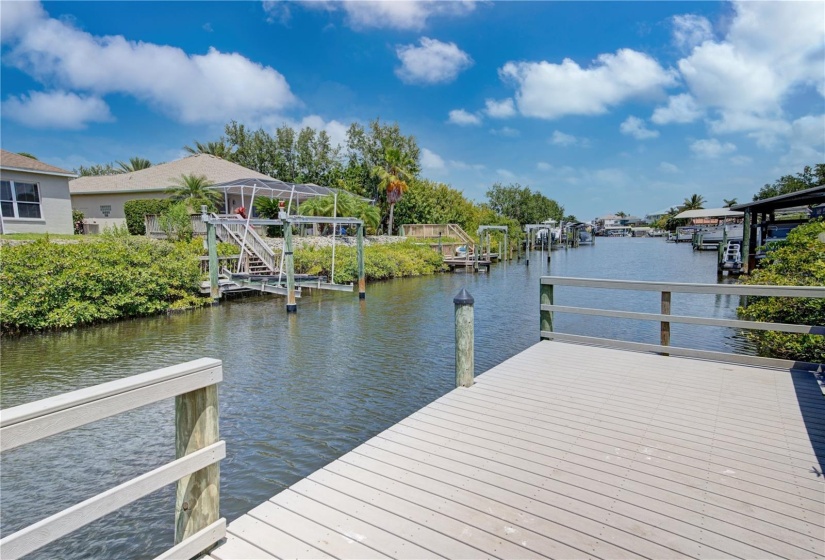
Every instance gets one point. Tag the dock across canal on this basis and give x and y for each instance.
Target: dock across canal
(572, 451)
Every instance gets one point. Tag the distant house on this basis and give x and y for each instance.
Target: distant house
(34, 196)
(101, 198)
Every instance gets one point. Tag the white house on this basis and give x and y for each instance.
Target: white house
(101, 198)
(34, 196)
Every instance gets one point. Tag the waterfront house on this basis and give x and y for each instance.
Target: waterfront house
(101, 198)
(34, 196)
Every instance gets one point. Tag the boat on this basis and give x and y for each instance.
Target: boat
(710, 227)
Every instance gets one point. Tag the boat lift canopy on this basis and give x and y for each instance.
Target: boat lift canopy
(709, 213)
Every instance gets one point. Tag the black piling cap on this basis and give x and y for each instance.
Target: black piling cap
(463, 298)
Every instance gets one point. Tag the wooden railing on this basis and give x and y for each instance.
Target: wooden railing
(665, 290)
(153, 229)
(248, 240)
(197, 444)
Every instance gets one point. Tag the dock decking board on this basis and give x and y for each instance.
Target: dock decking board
(569, 451)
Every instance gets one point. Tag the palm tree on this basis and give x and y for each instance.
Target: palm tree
(348, 205)
(191, 189)
(270, 209)
(695, 202)
(393, 175)
(729, 203)
(134, 164)
(219, 149)
(621, 214)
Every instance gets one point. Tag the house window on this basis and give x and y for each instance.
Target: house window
(106, 209)
(19, 200)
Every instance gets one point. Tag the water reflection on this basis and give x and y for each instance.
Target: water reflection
(302, 389)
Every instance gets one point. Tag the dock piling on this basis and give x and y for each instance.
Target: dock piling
(464, 339)
(546, 317)
(289, 262)
(197, 499)
(212, 248)
(362, 284)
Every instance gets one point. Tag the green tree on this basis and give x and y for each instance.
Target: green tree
(728, 202)
(176, 223)
(270, 209)
(219, 148)
(393, 176)
(347, 205)
(429, 202)
(621, 214)
(523, 205)
(695, 202)
(570, 218)
(808, 178)
(134, 164)
(191, 190)
(97, 170)
(27, 154)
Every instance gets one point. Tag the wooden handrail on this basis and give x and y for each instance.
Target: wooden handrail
(194, 386)
(665, 318)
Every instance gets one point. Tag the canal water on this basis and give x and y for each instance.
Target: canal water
(301, 390)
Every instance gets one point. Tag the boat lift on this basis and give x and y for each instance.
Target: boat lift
(531, 230)
(285, 281)
(484, 234)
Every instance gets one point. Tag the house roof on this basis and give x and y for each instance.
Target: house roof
(16, 162)
(709, 213)
(161, 177)
(814, 195)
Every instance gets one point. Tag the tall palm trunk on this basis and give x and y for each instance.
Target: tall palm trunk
(392, 208)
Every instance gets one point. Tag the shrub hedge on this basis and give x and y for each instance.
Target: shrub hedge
(135, 210)
(797, 261)
(381, 262)
(47, 285)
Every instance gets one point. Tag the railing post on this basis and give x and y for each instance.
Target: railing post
(197, 500)
(464, 339)
(664, 334)
(546, 317)
(212, 248)
(359, 246)
(291, 306)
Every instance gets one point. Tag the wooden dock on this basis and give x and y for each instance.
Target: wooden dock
(572, 451)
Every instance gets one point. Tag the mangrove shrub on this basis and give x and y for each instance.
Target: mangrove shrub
(797, 261)
(48, 285)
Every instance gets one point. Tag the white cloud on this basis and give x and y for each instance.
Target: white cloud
(741, 160)
(336, 130)
(506, 174)
(691, 30)
(546, 90)
(432, 63)
(680, 108)
(711, 148)
(771, 51)
(207, 27)
(277, 11)
(635, 127)
(559, 138)
(505, 131)
(500, 109)
(191, 88)
(463, 118)
(458, 164)
(396, 14)
(543, 166)
(668, 167)
(807, 143)
(431, 160)
(58, 109)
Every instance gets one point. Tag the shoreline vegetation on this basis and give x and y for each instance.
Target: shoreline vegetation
(59, 284)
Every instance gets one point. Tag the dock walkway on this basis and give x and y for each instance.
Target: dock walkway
(571, 451)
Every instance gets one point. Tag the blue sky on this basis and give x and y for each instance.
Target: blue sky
(602, 106)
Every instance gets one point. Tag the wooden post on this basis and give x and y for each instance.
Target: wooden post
(664, 334)
(440, 248)
(746, 242)
(489, 252)
(197, 500)
(546, 317)
(476, 249)
(464, 339)
(289, 263)
(362, 283)
(212, 247)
